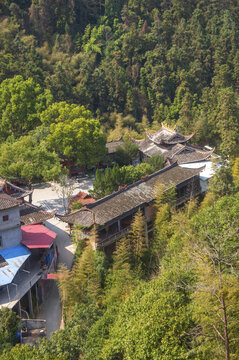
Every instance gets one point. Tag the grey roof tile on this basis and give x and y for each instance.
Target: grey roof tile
(129, 198)
(7, 202)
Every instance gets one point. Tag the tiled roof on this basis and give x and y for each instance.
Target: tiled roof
(83, 197)
(188, 154)
(78, 217)
(132, 197)
(149, 148)
(173, 150)
(112, 145)
(164, 142)
(31, 214)
(168, 136)
(7, 202)
(13, 190)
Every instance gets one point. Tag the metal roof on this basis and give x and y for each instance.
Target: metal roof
(15, 258)
(37, 236)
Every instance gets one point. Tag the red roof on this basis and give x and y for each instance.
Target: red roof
(83, 197)
(37, 236)
(55, 276)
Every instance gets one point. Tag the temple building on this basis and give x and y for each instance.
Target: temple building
(15, 191)
(113, 214)
(169, 144)
(160, 143)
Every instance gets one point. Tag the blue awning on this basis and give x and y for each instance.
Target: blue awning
(12, 259)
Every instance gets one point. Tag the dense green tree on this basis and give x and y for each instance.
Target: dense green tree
(83, 282)
(106, 56)
(121, 280)
(161, 230)
(235, 172)
(18, 54)
(68, 344)
(227, 121)
(24, 352)
(74, 134)
(127, 153)
(221, 183)
(9, 324)
(110, 180)
(21, 104)
(156, 161)
(214, 249)
(27, 160)
(138, 240)
(153, 323)
(174, 61)
(62, 112)
(76, 205)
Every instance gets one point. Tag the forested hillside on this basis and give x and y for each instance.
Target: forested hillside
(174, 298)
(150, 61)
(74, 73)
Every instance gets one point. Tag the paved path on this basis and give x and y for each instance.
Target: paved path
(46, 196)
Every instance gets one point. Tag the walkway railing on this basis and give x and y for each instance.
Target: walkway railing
(114, 237)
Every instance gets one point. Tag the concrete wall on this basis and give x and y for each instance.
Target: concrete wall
(13, 218)
(32, 324)
(11, 237)
(10, 230)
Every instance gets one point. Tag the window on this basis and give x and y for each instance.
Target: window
(5, 218)
(0, 241)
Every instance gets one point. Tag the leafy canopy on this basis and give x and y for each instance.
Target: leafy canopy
(26, 159)
(9, 323)
(21, 102)
(74, 134)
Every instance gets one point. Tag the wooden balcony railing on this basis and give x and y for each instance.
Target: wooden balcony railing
(107, 240)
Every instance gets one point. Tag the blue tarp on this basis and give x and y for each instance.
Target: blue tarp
(14, 258)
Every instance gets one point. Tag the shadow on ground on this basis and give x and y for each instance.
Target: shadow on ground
(52, 204)
(42, 185)
(64, 244)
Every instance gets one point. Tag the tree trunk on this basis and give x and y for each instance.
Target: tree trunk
(224, 310)
(29, 184)
(225, 330)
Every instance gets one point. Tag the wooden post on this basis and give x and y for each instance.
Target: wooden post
(30, 303)
(37, 298)
(19, 308)
(146, 226)
(8, 293)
